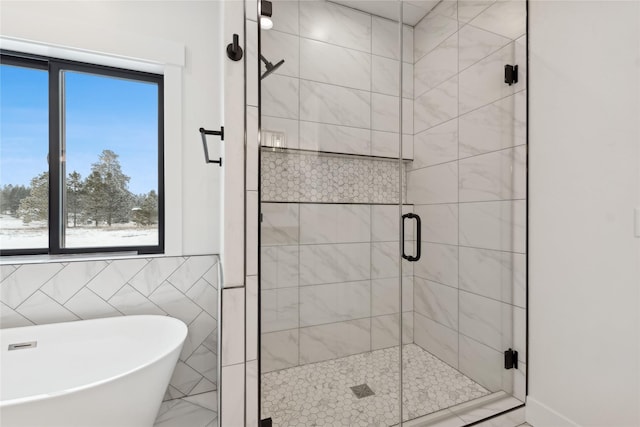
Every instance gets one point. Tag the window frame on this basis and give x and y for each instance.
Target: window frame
(54, 66)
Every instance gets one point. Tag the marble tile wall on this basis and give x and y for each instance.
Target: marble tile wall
(468, 183)
(182, 287)
(330, 283)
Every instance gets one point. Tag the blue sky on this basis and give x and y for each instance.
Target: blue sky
(101, 113)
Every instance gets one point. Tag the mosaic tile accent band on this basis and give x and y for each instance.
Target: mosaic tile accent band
(181, 287)
(290, 176)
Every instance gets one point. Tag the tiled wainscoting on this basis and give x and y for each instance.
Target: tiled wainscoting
(468, 183)
(181, 287)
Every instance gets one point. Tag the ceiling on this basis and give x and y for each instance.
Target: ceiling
(413, 11)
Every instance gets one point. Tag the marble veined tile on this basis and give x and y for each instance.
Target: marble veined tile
(436, 339)
(332, 23)
(289, 127)
(484, 364)
(334, 138)
(436, 145)
(276, 46)
(385, 223)
(494, 225)
(285, 16)
(482, 319)
(10, 318)
(507, 18)
(385, 330)
(385, 75)
(385, 260)
(437, 302)
(469, 9)
(501, 124)
(280, 266)
(333, 223)
(181, 412)
(334, 302)
(334, 340)
(40, 308)
(430, 32)
(437, 66)
(439, 223)
(24, 281)
(436, 106)
(439, 263)
(334, 263)
(476, 44)
(500, 175)
(385, 295)
(280, 96)
(336, 105)
(279, 350)
(493, 274)
(385, 112)
(280, 224)
(327, 63)
(483, 82)
(65, 284)
(279, 309)
(87, 305)
(433, 184)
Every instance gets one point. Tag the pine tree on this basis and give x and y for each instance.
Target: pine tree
(75, 188)
(147, 211)
(10, 197)
(35, 207)
(107, 192)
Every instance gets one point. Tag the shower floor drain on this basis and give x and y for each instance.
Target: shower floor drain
(362, 390)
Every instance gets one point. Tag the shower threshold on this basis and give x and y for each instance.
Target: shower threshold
(320, 394)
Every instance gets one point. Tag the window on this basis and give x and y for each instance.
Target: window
(81, 158)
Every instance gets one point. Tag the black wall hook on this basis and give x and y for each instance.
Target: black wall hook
(234, 51)
(204, 132)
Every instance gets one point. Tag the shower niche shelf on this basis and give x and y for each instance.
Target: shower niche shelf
(331, 154)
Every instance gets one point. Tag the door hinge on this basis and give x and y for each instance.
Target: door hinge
(267, 422)
(510, 359)
(510, 74)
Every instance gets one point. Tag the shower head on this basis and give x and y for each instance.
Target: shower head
(269, 66)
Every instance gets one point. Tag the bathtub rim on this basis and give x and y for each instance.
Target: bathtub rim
(36, 397)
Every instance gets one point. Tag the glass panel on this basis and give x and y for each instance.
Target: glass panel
(24, 145)
(330, 199)
(110, 161)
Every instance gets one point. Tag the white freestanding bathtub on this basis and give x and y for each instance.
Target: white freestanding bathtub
(91, 373)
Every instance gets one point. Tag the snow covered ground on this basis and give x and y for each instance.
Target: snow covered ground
(14, 234)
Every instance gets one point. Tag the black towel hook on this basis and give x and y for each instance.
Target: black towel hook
(234, 51)
(204, 132)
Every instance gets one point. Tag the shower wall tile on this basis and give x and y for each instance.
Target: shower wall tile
(385, 295)
(385, 223)
(285, 16)
(493, 274)
(334, 302)
(434, 184)
(385, 112)
(334, 139)
(279, 350)
(385, 38)
(331, 341)
(280, 309)
(331, 23)
(436, 145)
(280, 224)
(494, 225)
(469, 9)
(493, 127)
(252, 150)
(252, 60)
(57, 292)
(280, 266)
(500, 175)
(430, 32)
(439, 263)
(437, 302)
(385, 144)
(324, 103)
(507, 18)
(330, 223)
(334, 263)
(385, 260)
(280, 96)
(476, 44)
(385, 75)
(484, 364)
(482, 83)
(288, 127)
(437, 339)
(439, 223)
(482, 319)
(385, 330)
(436, 106)
(437, 66)
(323, 62)
(276, 46)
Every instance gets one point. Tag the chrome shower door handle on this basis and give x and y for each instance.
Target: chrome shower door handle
(416, 257)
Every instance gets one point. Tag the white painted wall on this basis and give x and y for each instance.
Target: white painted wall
(152, 31)
(584, 277)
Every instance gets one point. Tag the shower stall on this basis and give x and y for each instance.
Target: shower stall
(393, 179)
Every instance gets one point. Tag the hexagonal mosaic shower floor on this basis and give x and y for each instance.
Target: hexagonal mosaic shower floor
(320, 394)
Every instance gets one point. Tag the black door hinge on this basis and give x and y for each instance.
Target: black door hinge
(267, 422)
(510, 359)
(510, 74)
